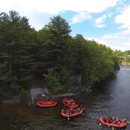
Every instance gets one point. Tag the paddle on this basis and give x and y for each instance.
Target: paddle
(68, 118)
(84, 109)
(63, 108)
(112, 128)
(100, 124)
(43, 95)
(128, 122)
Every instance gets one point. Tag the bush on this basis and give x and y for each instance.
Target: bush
(3, 95)
(23, 96)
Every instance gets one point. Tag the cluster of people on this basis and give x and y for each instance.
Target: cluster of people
(70, 101)
(44, 97)
(70, 111)
(114, 120)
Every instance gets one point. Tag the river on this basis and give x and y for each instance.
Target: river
(111, 97)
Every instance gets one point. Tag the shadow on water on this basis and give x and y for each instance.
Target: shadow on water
(108, 98)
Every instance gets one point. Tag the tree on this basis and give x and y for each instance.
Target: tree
(15, 43)
(55, 39)
(58, 33)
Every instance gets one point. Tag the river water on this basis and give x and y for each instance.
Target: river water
(111, 97)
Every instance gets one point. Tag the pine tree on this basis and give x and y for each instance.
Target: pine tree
(15, 43)
(58, 32)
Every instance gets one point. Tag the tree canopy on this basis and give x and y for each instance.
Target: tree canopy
(56, 53)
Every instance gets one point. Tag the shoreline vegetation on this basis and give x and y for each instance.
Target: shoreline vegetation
(15, 99)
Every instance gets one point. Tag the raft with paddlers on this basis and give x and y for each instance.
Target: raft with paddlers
(114, 122)
(71, 112)
(70, 103)
(46, 103)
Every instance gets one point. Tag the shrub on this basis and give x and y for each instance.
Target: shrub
(23, 96)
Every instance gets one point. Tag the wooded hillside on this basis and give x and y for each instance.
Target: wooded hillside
(58, 55)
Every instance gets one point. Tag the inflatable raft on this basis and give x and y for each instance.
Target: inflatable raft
(70, 104)
(46, 103)
(68, 115)
(120, 123)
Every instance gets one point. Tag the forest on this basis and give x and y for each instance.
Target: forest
(53, 51)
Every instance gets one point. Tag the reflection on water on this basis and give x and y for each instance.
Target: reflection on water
(106, 99)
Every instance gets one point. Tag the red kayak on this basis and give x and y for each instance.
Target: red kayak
(64, 114)
(121, 123)
(46, 103)
(70, 104)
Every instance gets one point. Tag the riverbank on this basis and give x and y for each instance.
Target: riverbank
(123, 63)
(15, 99)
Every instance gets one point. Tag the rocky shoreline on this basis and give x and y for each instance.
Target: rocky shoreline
(123, 63)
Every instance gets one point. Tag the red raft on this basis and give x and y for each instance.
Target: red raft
(46, 103)
(72, 115)
(121, 123)
(70, 104)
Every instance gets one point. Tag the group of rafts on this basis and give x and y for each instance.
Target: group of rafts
(72, 109)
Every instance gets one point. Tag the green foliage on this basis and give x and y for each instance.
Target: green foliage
(127, 59)
(16, 43)
(123, 56)
(58, 82)
(54, 51)
(5, 76)
(119, 53)
(3, 95)
(53, 82)
(127, 52)
(57, 31)
(66, 78)
(15, 86)
(23, 96)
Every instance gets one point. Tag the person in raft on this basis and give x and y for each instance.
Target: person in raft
(38, 97)
(49, 97)
(81, 107)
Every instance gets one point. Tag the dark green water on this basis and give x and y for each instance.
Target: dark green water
(106, 99)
